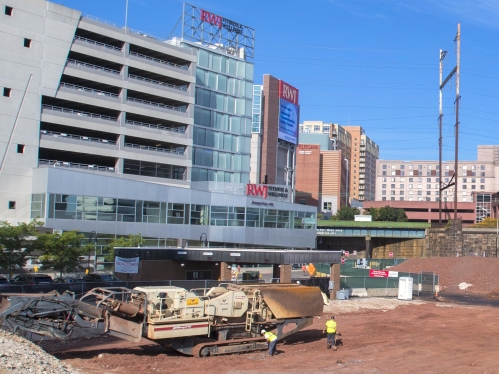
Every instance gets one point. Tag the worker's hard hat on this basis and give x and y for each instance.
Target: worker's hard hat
(332, 317)
(263, 332)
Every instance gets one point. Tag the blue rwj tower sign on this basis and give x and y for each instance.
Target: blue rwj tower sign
(199, 25)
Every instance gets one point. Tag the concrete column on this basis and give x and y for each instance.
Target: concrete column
(335, 276)
(225, 272)
(285, 274)
(368, 246)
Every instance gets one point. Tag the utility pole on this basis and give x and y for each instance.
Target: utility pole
(440, 119)
(458, 45)
(453, 180)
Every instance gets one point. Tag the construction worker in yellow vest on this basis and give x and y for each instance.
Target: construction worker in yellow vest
(271, 340)
(330, 329)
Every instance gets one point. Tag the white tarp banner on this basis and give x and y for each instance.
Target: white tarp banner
(126, 265)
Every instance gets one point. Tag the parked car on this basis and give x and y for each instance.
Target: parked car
(69, 283)
(31, 279)
(100, 278)
(4, 282)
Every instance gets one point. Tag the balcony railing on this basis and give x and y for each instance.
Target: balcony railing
(155, 149)
(98, 44)
(159, 83)
(90, 90)
(74, 165)
(159, 105)
(184, 67)
(79, 113)
(91, 66)
(180, 130)
(77, 137)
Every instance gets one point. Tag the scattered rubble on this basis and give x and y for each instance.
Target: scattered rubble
(18, 355)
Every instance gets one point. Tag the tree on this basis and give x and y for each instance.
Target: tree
(345, 213)
(488, 222)
(62, 251)
(388, 214)
(123, 241)
(17, 242)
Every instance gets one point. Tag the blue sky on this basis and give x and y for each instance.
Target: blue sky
(372, 63)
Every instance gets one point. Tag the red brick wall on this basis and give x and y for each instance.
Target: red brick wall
(270, 129)
(308, 173)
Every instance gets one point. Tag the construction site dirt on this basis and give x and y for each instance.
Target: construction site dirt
(377, 336)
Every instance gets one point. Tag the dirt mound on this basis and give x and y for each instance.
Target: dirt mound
(458, 274)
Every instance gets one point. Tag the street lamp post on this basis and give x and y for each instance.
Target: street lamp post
(346, 194)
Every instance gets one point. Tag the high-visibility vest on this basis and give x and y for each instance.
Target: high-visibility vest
(270, 337)
(331, 326)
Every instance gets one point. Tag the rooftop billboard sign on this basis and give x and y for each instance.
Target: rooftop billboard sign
(289, 112)
(200, 25)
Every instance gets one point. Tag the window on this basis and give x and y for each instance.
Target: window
(465, 167)
(464, 186)
(393, 173)
(464, 193)
(411, 173)
(473, 187)
(446, 180)
(410, 192)
(402, 186)
(411, 167)
(401, 199)
(420, 180)
(392, 192)
(7, 91)
(383, 192)
(303, 201)
(482, 167)
(411, 180)
(393, 166)
(402, 179)
(446, 167)
(482, 174)
(428, 167)
(383, 186)
(402, 166)
(392, 198)
(482, 187)
(428, 186)
(384, 173)
(8, 10)
(420, 167)
(465, 180)
(20, 148)
(464, 174)
(464, 199)
(12, 205)
(27, 43)
(402, 172)
(401, 192)
(428, 173)
(428, 180)
(410, 185)
(384, 166)
(428, 193)
(473, 180)
(383, 199)
(326, 206)
(482, 180)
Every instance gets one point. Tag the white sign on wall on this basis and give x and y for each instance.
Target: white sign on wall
(126, 265)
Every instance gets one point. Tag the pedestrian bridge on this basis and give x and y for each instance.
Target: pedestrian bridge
(406, 230)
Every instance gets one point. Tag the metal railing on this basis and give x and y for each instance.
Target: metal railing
(99, 44)
(147, 35)
(154, 149)
(101, 20)
(184, 67)
(77, 137)
(159, 83)
(79, 113)
(86, 89)
(180, 130)
(159, 105)
(91, 66)
(74, 165)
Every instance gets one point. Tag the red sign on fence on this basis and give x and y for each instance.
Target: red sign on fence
(347, 253)
(343, 261)
(390, 254)
(378, 273)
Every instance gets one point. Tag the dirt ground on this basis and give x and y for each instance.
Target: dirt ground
(378, 336)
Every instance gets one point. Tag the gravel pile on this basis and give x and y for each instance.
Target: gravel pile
(480, 272)
(18, 355)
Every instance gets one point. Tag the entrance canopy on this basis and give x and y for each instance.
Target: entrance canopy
(230, 255)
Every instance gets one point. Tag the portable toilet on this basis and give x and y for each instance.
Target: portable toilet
(405, 288)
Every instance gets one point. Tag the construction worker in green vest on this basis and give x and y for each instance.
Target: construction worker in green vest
(330, 329)
(271, 340)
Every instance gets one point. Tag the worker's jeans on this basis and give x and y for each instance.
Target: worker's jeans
(272, 347)
(330, 339)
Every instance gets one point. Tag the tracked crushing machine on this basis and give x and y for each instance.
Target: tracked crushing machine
(199, 322)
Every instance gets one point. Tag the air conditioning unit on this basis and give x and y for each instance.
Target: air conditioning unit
(58, 231)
